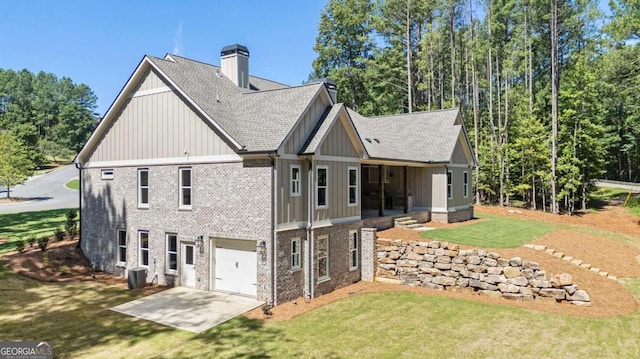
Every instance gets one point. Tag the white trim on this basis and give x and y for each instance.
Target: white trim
(181, 187)
(465, 184)
(298, 193)
(450, 209)
(106, 174)
(327, 266)
(336, 159)
(356, 248)
(288, 156)
(118, 246)
(289, 226)
(167, 252)
(298, 252)
(458, 165)
(349, 185)
(140, 249)
(165, 161)
(151, 91)
(140, 188)
(326, 187)
(449, 185)
(335, 221)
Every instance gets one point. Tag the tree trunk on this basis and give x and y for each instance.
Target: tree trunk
(476, 100)
(554, 102)
(452, 38)
(409, 51)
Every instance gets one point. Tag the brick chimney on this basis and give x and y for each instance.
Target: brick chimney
(234, 61)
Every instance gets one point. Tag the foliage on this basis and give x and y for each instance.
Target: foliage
(64, 270)
(493, 232)
(58, 234)
(32, 240)
(52, 116)
(43, 242)
(23, 225)
(70, 225)
(15, 165)
(19, 245)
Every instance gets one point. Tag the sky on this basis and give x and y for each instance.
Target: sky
(100, 43)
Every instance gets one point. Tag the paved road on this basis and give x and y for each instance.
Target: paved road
(634, 187)
(48, 192)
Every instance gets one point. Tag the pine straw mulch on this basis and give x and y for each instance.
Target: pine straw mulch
(608, 298)
(30, 264)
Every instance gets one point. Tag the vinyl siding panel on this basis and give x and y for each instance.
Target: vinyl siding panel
(459, 156)
(291, 209)
(158, 125)
(458, 187)
(337, 142)
(338, 192)
(306, 126)
(438, 188)
(420, 186)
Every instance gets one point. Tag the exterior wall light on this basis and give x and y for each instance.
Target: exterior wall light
(262, 248)
(200, 243)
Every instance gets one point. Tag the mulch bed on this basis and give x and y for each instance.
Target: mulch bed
(5, 200)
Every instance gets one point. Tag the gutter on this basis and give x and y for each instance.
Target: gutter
(274, 203)
(79, 168)
(308, 292)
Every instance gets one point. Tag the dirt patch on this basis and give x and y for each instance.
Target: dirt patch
(617, 258)
(609, 218)
(5, 200)
(31, 264)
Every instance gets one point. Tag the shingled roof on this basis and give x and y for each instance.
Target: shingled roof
(417, 137)
(258, 118)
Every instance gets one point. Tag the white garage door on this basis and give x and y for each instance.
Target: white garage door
(235, 266)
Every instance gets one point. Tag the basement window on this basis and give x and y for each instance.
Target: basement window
(106, 174)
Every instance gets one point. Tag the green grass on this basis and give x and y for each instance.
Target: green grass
(26, 224)
(379, 325)
(608, 193)
(74, 184)
(493, 232)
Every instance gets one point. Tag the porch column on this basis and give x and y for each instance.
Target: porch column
(406, 187)
(381, 181)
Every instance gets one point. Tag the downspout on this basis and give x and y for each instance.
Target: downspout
(309, 291)
(274, 211)
(446, 189)
(79, 168)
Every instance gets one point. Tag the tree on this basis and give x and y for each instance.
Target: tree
(15, 165)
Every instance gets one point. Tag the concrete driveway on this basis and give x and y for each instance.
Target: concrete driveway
(48, 191)
(188, 309)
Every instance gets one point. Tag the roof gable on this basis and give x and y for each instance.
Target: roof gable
(335, 126)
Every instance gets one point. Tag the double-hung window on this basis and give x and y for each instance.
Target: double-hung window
(295, 254)
(122, 247)
(172, 252)
(143, 187)
(465, 182)
(295, 180)
(352, 182)
(353, 250)
(185, 188)
(322, 186)
(143, 237)
(449, 186)
(323, 258)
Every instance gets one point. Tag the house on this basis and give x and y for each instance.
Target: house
(214, 179)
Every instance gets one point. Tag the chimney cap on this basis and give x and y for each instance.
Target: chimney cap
(329, 83)
(234, 49)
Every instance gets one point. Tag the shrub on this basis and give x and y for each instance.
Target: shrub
(70, 225)
(20, 245)
(266, 309)
(633, 202)
(43, 242)
(64, 270)
(59, 234)
(45, 260)
(32, 240)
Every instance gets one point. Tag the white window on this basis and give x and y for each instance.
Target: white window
(172, 252)
(352, 183)
(449, 186)
(295, 180)
(185, 188)
(143, 187)
(322, 187)
(465, 181)
(122, 247)
(144, 248)
(295, 254)
(106, 174)
(323, 258)
(353, 250)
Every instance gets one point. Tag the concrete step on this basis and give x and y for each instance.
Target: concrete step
(400, 219)
(414, 225)
(406, 222)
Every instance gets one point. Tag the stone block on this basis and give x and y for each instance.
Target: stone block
(508, 288)
(490, 293)
(603, 273)
(430, 257)
(482, 285)
(612, 277)
(482, 252)
(450, 253)
(451, 273)
(458, 267)
(558, 254)
(444, 245)
(515, 262)
(493, 255)
(571, 289)
(550, 250)
(526, 291)
(420, 250)
(388, 280)
(391, 248)
(564, 279)
(528, 273)
(520, 281)
(381, 254)
(495, 270)
(443, 266)
(579, 295)
(540, 248)
(576, 262)
(539, 274)
(585, 266)
(422, 244)
(406, 263)
(518, 297)
(503, 262)
(494, 279)
(458, 260)
(433, 286)
(434, 244)
(441, 280)
(477, 268)
(394, 255)
(579, 303)
(386, 261)
(415, 256)
(396, 242)
(540, 283)
(489, 262)
(424, 264)
(390, 266)
(557, 294)
(439, 252)
(474, 259)
(383, 241)
(462, 282)
(443, 259)
(567, 258)
(430, 271)
(511, 272)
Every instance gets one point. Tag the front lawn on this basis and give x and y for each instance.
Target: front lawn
(379, 325)
(73, 184)
(23, 225)
(493, 232)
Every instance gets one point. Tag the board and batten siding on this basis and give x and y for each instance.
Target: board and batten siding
(307, 124)
(338, 143)
(158, 125)
(438, 188)
(419, 186)
(291, 209)
(457, 182)
(460, 156)
(338, 191)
